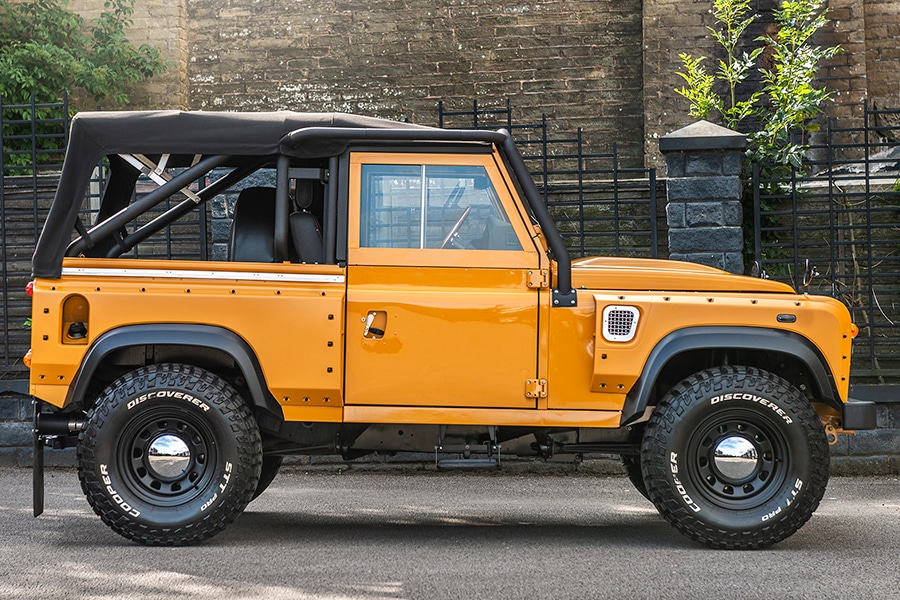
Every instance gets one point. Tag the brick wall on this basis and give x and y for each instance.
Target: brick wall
(883, 52)
(159, 23)
(578, 60)
(670, 27)
(605, 65)
(845, 74)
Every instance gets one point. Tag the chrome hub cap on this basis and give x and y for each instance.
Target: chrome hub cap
(168, 456)
(735, 458)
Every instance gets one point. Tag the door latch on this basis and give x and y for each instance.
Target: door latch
(375, 322)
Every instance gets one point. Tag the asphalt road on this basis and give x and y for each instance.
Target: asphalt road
(386, 535)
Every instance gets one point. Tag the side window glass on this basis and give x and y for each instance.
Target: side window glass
(427, 206)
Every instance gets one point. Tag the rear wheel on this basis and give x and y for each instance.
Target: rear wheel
(735, 457)
(170, 455)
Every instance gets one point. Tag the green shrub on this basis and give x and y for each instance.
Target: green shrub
(45, 49)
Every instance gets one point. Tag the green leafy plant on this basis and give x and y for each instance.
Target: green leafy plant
(785, 105)
(731, 15)
(47, 50)
(794, 101)
(788, 102)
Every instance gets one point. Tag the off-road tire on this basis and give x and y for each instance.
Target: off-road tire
(735, 502)
(141, 496)
(270, 467)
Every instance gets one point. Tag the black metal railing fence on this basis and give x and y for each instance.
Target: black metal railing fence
(841, 213)
(33, 138)
(600, 207)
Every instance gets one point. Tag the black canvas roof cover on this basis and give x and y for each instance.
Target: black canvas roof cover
(98, 134)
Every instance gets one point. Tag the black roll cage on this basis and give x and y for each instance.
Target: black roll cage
(320, 142)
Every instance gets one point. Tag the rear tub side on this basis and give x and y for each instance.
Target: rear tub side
(280, 325)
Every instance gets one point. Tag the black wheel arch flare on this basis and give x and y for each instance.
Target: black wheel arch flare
(178, 334)
(724, 337)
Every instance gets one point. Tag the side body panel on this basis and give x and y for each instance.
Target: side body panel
(587, 371)
(290, 315)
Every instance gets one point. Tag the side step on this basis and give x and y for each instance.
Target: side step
(468, 456)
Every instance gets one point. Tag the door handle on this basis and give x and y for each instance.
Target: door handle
(376, 321)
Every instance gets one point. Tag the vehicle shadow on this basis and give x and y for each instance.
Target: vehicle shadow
(264, 528)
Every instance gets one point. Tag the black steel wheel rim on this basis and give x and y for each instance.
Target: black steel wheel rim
(144, 480)
(761, 475)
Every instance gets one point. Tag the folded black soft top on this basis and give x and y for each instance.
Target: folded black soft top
(98, 134)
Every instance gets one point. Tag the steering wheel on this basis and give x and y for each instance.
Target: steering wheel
(453, 230)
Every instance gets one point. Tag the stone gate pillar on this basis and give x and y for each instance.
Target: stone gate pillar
(704, 213)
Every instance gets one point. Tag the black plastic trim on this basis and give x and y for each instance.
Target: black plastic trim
(564, 290)
(859, 414)
(342, 182)
(178, 334)
(699, 338)
(282, 209)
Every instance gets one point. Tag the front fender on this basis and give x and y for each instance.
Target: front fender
(744, 338)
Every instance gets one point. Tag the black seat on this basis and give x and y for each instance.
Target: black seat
(307, 237)
(253, 227)
(306, 234)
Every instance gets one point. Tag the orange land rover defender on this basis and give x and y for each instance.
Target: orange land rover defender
(386, 288)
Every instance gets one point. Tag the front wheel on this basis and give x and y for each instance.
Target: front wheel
(170, 455)
(735, 457)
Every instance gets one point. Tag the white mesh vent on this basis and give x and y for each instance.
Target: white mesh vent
(620, 323)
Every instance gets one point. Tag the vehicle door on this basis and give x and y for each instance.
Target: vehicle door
(443, 283)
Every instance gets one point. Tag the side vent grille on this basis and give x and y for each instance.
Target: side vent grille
(620, 323)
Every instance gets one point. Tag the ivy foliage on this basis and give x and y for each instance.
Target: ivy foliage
(45, 50)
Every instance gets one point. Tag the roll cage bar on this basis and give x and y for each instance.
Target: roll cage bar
(316, 142)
